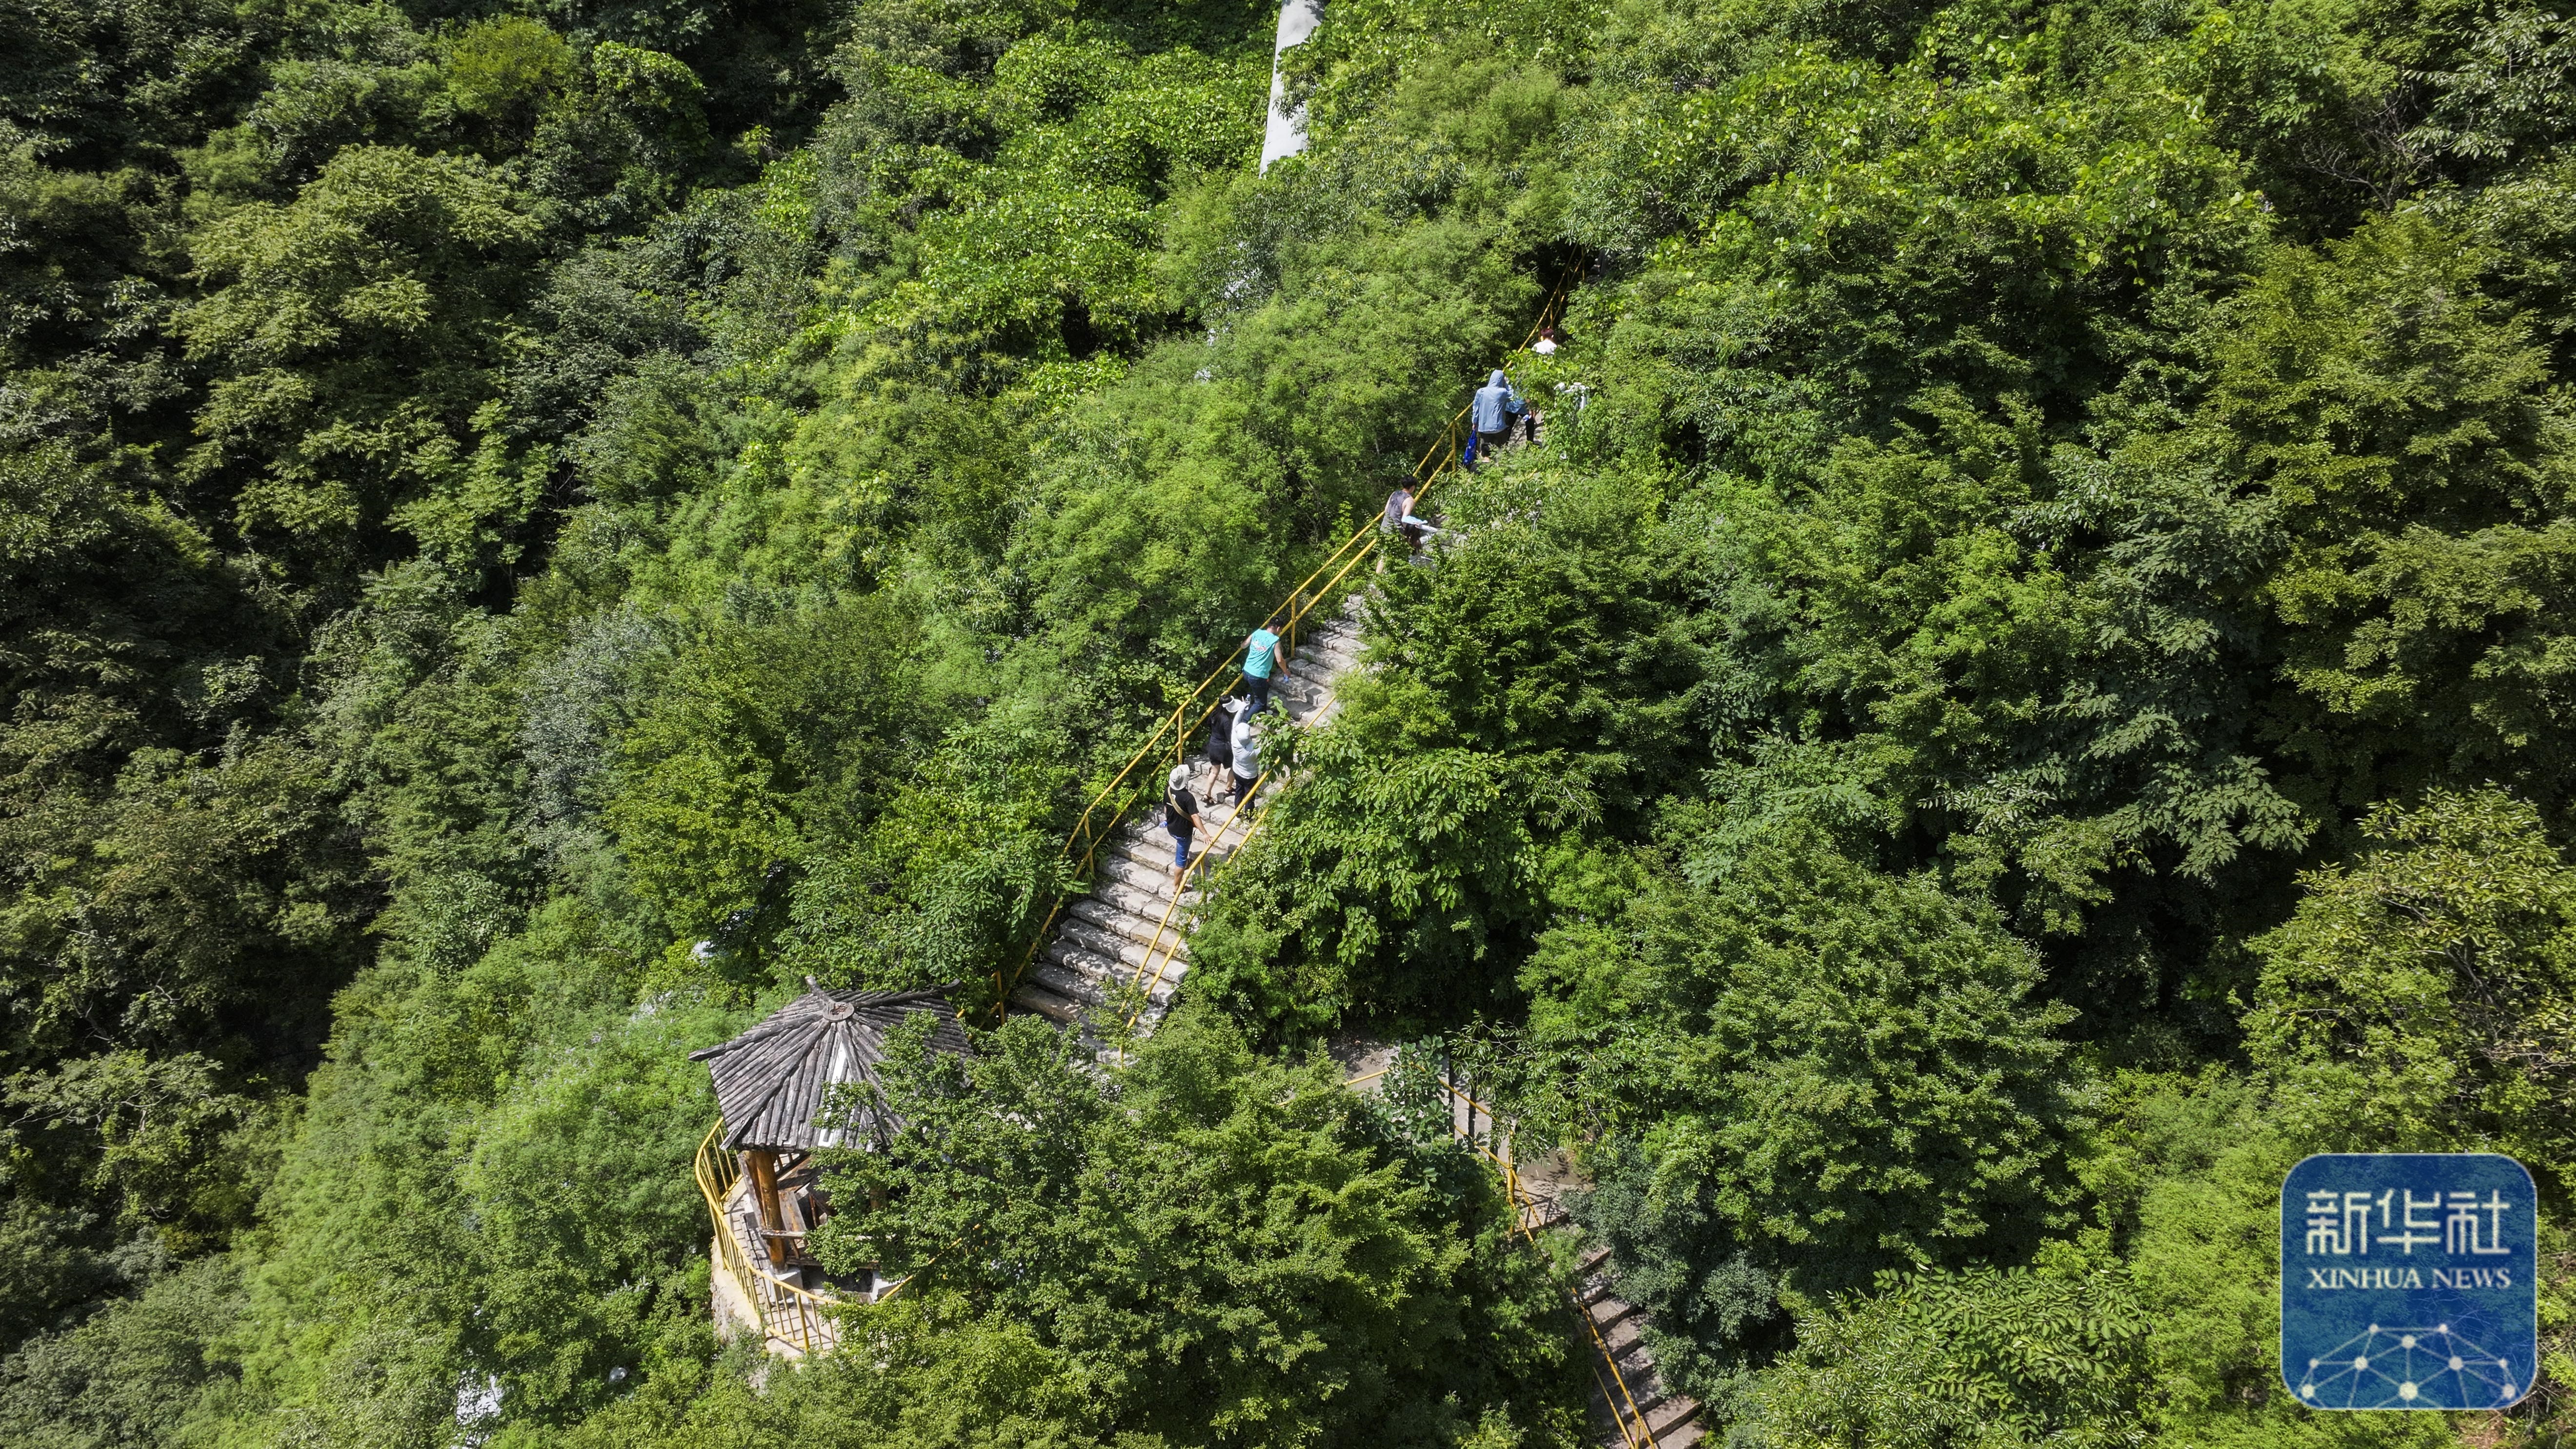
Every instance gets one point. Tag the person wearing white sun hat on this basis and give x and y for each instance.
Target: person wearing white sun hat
(1181, 818)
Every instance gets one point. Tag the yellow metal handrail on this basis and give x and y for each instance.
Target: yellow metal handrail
(1101, 815)
(1109, 806)
(801, 1319)
(1634, 1431)
(1207, 878)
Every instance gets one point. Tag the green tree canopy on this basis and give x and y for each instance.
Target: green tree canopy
(1206, 1243)
(357, 330)
(1804, 1073)
(2424, 996)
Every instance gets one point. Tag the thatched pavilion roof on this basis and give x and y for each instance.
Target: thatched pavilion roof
(772, 1080)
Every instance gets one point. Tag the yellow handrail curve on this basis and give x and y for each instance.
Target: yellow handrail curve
(801, 1320)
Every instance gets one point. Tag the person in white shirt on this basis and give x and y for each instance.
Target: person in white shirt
(1247, 755)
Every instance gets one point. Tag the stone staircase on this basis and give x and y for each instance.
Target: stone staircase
(1632, 1406)
(1670, 1420)
(1122, 946)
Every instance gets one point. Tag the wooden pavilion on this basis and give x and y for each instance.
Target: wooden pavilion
(757, 1166)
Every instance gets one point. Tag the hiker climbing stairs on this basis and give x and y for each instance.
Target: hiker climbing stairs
(1119, 953)
(1110, 961)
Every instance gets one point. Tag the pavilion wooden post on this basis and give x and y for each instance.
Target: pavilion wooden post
(764, 1189)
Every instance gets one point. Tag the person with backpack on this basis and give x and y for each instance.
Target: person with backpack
(1399, 507)
(1263, 653)
(1220, 745)
(1181, 819)
(1247, 755)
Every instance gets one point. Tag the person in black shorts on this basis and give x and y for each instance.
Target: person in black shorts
(1181, 818)
(1220, 745)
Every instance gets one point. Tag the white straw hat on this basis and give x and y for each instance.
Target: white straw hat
(1180, 776)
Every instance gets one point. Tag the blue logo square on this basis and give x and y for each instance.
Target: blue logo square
(2409, 1280)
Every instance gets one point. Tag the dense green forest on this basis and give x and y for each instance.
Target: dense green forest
(2029, 682)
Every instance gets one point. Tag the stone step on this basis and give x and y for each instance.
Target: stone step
(1068, 979)
(1069, 955)
(1229, 820)
(1095, 969)
(1336, 649)
(1032, 997)
(1300, 698)
(1111, 944)
(1119, 945)
(1316, 671)
(1154, 849)
(1105, 915)
(1306, 673)
(1232, 820)
(1071, 985)
(1318, 698)
(1078, 947)
(1664, 1422)
(1130, 900)
(1154, 882)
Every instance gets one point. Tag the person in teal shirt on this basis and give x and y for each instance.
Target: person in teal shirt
(1263, 653)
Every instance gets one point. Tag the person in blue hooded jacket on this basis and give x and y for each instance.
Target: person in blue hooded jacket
(1497, 408)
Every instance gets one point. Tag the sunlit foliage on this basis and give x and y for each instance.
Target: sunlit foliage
(2023, 686)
